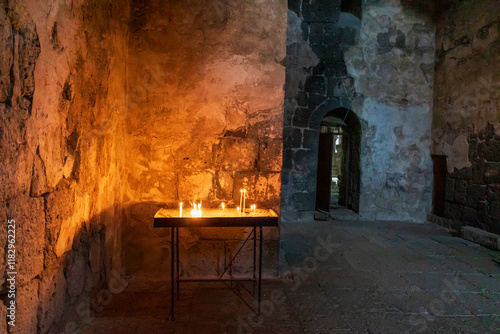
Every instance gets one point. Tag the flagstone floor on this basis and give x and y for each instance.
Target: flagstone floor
(336, 277)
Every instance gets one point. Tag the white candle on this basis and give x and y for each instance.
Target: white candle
(222, 208)
(238, 208)
(180, 210)
(241, 195)
(244, 195)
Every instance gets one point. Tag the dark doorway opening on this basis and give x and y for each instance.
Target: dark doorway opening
(439, 192)
(338, 178)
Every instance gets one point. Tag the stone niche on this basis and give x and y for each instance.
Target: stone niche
(381, 69)
(62, 99)
(466, 120)
(205, 90)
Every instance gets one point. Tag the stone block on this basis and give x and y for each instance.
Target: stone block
(452, 211)
(195, 186)
(489, 150)
(316, 33)
(156, 185)
(27, 301)
(493, 192)
(484, 238)
(263, 188)
(315, 85)
(321, 11)
(224, 185)
(321, 215)
(304, 161)
(304, 182)
(266, 123)
(39, 180)
(301, 98)
(470, 216)
(460, 196)
(333, 34)
(311, 140)
(270, 155)
(328, 53)
(336, 69)
(315, 100)
(301, 117)
(463, 174)
(482, 210)
(319, 69)
(450, 189)
(60, 206)
(76, 272)
(492, 172)
(478, 172)
(287, 159)
(475, 193)
(287, 118)
(239, 154)
(495, 210)
(303, 201)
(285, 179)
(29, 216)
(52, 298)
(292, 137)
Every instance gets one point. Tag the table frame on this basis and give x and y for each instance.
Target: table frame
(244, 221)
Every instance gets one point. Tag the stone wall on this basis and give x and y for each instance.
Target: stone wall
(205, 120)
(61, 99)
(317, 82)
(381, 69)
(466, 123)
(393, 68)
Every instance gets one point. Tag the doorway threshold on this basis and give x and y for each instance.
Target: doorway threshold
(338, 212)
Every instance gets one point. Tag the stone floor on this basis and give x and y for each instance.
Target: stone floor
(345, 277)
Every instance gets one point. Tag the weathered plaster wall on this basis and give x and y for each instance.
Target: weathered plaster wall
(466, 122)
(380, 68)
(61, 97)
(392, 66)
(205, 120)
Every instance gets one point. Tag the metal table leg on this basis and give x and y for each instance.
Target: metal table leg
(172, 268)
(260, 265)
(254, 256)
(177, 255)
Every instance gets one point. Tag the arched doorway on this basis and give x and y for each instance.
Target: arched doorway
(338, 178)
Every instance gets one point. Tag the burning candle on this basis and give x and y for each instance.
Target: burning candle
(244, 195)
(238, 208)
(241, 196)
(196, 212)
(180, 210)
(223, 208)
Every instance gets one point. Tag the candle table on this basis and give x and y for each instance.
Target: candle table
(258, 218)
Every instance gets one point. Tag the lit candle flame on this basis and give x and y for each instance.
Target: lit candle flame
(196, 212)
